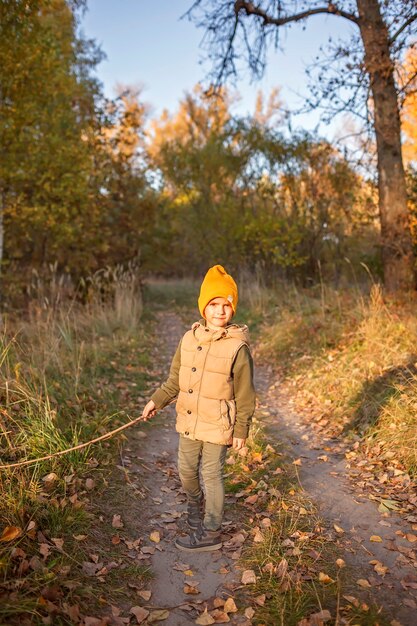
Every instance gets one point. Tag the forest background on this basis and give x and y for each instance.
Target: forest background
(88, 181)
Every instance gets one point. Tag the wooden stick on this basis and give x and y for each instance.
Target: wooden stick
(79, 447)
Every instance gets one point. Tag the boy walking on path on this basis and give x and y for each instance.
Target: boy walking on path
(211, 376)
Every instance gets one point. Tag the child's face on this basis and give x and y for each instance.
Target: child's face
(218, 313)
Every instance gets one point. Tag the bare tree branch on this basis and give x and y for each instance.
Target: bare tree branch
(228, 57)
(331, 9)
(407, 23)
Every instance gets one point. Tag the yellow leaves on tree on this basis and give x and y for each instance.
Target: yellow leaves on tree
(125, 136)
(200, 114)
(409, 112)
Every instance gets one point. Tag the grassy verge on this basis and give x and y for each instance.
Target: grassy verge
(68, 374)
(349, 360)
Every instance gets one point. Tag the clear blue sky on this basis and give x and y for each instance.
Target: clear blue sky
(147, 44)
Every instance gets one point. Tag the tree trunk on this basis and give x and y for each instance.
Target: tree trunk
(397, 252)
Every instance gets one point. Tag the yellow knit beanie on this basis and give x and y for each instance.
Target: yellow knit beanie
(217, 283)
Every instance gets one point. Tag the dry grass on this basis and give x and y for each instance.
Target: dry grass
(350, 359)
(69, 372)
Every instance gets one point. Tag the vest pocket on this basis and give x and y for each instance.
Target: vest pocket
(227, 414)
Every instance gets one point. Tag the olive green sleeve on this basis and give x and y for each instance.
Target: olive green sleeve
(169, 390)
(244, 391)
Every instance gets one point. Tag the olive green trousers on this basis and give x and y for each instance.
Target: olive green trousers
(194, 456)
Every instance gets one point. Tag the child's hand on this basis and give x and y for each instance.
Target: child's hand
(238, 443)
(149, 410)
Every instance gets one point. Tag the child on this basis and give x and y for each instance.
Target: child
(211, 376)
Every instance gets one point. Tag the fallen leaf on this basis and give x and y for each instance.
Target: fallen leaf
(80, 537)
(248, 577)
(218, 602)
(411, 538)
(190, 589)
(282, 568)
(256, 457)
(91, 568)
(249, 612)
(205, 619)
(18, 553)
(158, 616)
(188, 572)
(235, 541)
(230, 606)
(260, 600)
(181, 567)
(223, 570)
(50, 479)
(379, 567)
(44, 549)
(140, 613)
(387, 505)
(155, 536)
(146, 595)
(362, 582)
(340, 563)
(59, 543)
(266, 522)
(375, 538)
(297, 462)
(220, 617)
(258, 538)
(117, 521)
(338, 529)
(324, 616)
(268, 567)
(148, 550)
(10, 533)
(325, 578)
(251, 499)
(89, 484)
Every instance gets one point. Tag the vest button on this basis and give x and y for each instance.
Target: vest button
(186, 432)
(193, 369)
(189, 412)
(199, 348)
(207, 330)
(190, 391)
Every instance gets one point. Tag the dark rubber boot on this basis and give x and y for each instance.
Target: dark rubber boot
(200, 540)
(195, 513)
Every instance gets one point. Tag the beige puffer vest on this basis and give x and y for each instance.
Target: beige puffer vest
(206, 408)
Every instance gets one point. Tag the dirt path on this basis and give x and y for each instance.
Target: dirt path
(324, 476)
